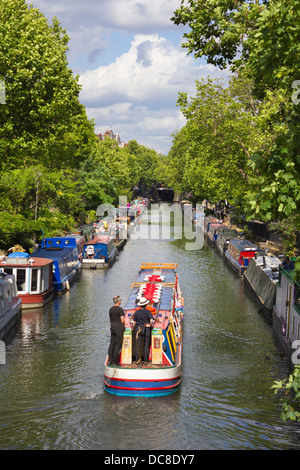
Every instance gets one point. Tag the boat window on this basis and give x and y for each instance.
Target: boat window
(8, 270)
(49, 242)
(21, 280)
(44, 280)
(34, 280)
(297, 298)
(67, 242)
(58, 242)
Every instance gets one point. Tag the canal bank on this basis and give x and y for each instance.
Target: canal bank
(52, 394)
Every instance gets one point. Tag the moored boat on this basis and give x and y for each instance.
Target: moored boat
(34, 278)
(225, 234)
(262, 277)
(239, 253)
(63, 251)
(162, 373)
(118, 231)
(99, 252)
(213, 231)
(286, 313)
(10, 304)
(208, 221)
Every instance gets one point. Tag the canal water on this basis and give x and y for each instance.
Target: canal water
(51, 387)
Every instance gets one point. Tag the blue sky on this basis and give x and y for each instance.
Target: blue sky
(130, 63)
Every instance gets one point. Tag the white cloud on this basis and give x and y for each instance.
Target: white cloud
(137, 93)
(130, 72)
(89, 24)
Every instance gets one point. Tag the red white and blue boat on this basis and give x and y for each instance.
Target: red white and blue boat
(239, 253)
(162, 374)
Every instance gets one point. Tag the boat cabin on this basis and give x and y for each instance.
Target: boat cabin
(33, 278)
(100, 251)
(66, 263)
(224, 237)
(239, 253)
(213, 230)
(286, 313)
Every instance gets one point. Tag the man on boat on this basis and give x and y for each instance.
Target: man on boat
(117, 326)
(287, 263)
(142, 321)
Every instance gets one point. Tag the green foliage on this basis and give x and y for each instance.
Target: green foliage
(219, 30)
(259, 40)
(289, 390)
(145, 163)
(42, 120)
(210, 155)
(45, 199)
(53, 170)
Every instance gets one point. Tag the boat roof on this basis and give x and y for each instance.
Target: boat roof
(243, 244)
(53, 252)
(164, 303)
(32, 261)
(230, 232)
(167, 271)
(101, 239)
(153, 274)
(69, 241)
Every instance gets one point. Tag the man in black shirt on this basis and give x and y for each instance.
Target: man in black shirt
(117, 324)
(142, 321)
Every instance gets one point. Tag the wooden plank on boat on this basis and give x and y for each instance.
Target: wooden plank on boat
(163, 284)
(158, 265)
(157, 346)
(126, 354)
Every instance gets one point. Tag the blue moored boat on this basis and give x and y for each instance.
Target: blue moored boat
(66, 264)
(99, 252)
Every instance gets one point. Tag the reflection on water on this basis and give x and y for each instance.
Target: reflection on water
(51, 389)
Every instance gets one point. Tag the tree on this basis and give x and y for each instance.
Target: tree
(261, 40)
(146, 164)
(219, 30)
(274, 64)
(108, 173)
(42, 120)
(216, 142)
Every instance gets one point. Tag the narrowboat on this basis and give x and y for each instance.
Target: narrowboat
(239, 253)
(208, 221)
(225, 234)
(80, 241)
(262, 277)
(34, 278)
(161, 372)
(212, 233)
(118, 231)
(63, 251)
(10, 304)
(99, 252)
(286, 313)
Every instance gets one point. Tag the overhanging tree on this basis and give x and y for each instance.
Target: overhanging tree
(42, 120)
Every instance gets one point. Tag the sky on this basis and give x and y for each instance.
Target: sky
(131, 65)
